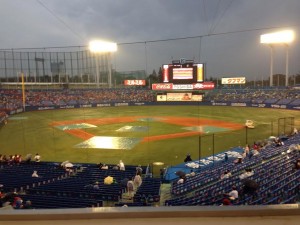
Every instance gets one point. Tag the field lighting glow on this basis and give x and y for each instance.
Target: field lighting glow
(97, 46)
(281, 37)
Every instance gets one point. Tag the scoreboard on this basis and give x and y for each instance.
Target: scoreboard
(183, 72)
(182, 75)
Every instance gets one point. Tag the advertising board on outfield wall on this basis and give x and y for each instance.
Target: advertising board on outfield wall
(178, 97)
(195, 100)
(194, 86)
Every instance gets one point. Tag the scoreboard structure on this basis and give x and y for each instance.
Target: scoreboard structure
(183, 75)
(181, 81)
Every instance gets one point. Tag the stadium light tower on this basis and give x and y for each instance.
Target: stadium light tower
(278, 38)
(103, 47)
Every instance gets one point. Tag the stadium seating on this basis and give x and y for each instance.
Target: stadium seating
(57, 188)
(279, 182)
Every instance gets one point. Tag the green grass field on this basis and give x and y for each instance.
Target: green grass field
(31, 132)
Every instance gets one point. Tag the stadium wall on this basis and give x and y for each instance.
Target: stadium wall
(274, 214)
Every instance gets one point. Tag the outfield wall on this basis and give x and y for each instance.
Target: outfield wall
(119, 104)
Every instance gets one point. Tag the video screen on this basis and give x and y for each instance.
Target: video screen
(183, 73)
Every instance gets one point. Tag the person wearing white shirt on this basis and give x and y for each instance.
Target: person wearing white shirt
(35, 174)
(121, 165)
(233, 194)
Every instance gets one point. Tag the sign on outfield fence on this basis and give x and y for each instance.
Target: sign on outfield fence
(234, 80)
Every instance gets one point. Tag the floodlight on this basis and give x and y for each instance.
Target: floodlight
(99, 47)
(102, 46)
(281, 37)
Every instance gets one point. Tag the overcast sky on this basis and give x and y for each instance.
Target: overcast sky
(49, 23)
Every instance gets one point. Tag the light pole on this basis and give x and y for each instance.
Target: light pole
(103, 47)
(284, 38)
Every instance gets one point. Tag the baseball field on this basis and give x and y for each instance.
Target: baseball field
(137, 134)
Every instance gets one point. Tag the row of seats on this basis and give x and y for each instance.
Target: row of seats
(19, 176)
(49, 202)
(149, 191)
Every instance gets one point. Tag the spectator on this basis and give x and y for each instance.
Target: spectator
(130, 188)
(18, 159)
(35, 174)
(162, 173)
(104, 167)
(116, 167)
(248, 173)
(37, 158)
(191, 174)
(294, 148)
(255, 146)
(226, 201)
(278, 142)
(139, 170)
(27, 205)
(247, 150)
(297, 164)
(225, 157)
(233, 194)
(17, 203)
(238, 160)
(137, 181)
(295, 131)
(96, 186)
(99, 165)
(121, 165)
(10, 160)
(124, 182)
(2, 195)
(180, 181)
(5, 159)
(28, 158)
(63, 164)
(250, 186)
(225, 175)
(188, 158)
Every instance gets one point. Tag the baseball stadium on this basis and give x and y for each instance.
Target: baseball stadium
(48, 122)
(83, 141)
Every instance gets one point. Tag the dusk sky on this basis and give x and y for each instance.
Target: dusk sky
(224, 34)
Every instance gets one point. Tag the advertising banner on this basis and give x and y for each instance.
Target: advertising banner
(179, 97)
(194, 86)
(161, 98)
(134, 82)
(234, 80)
